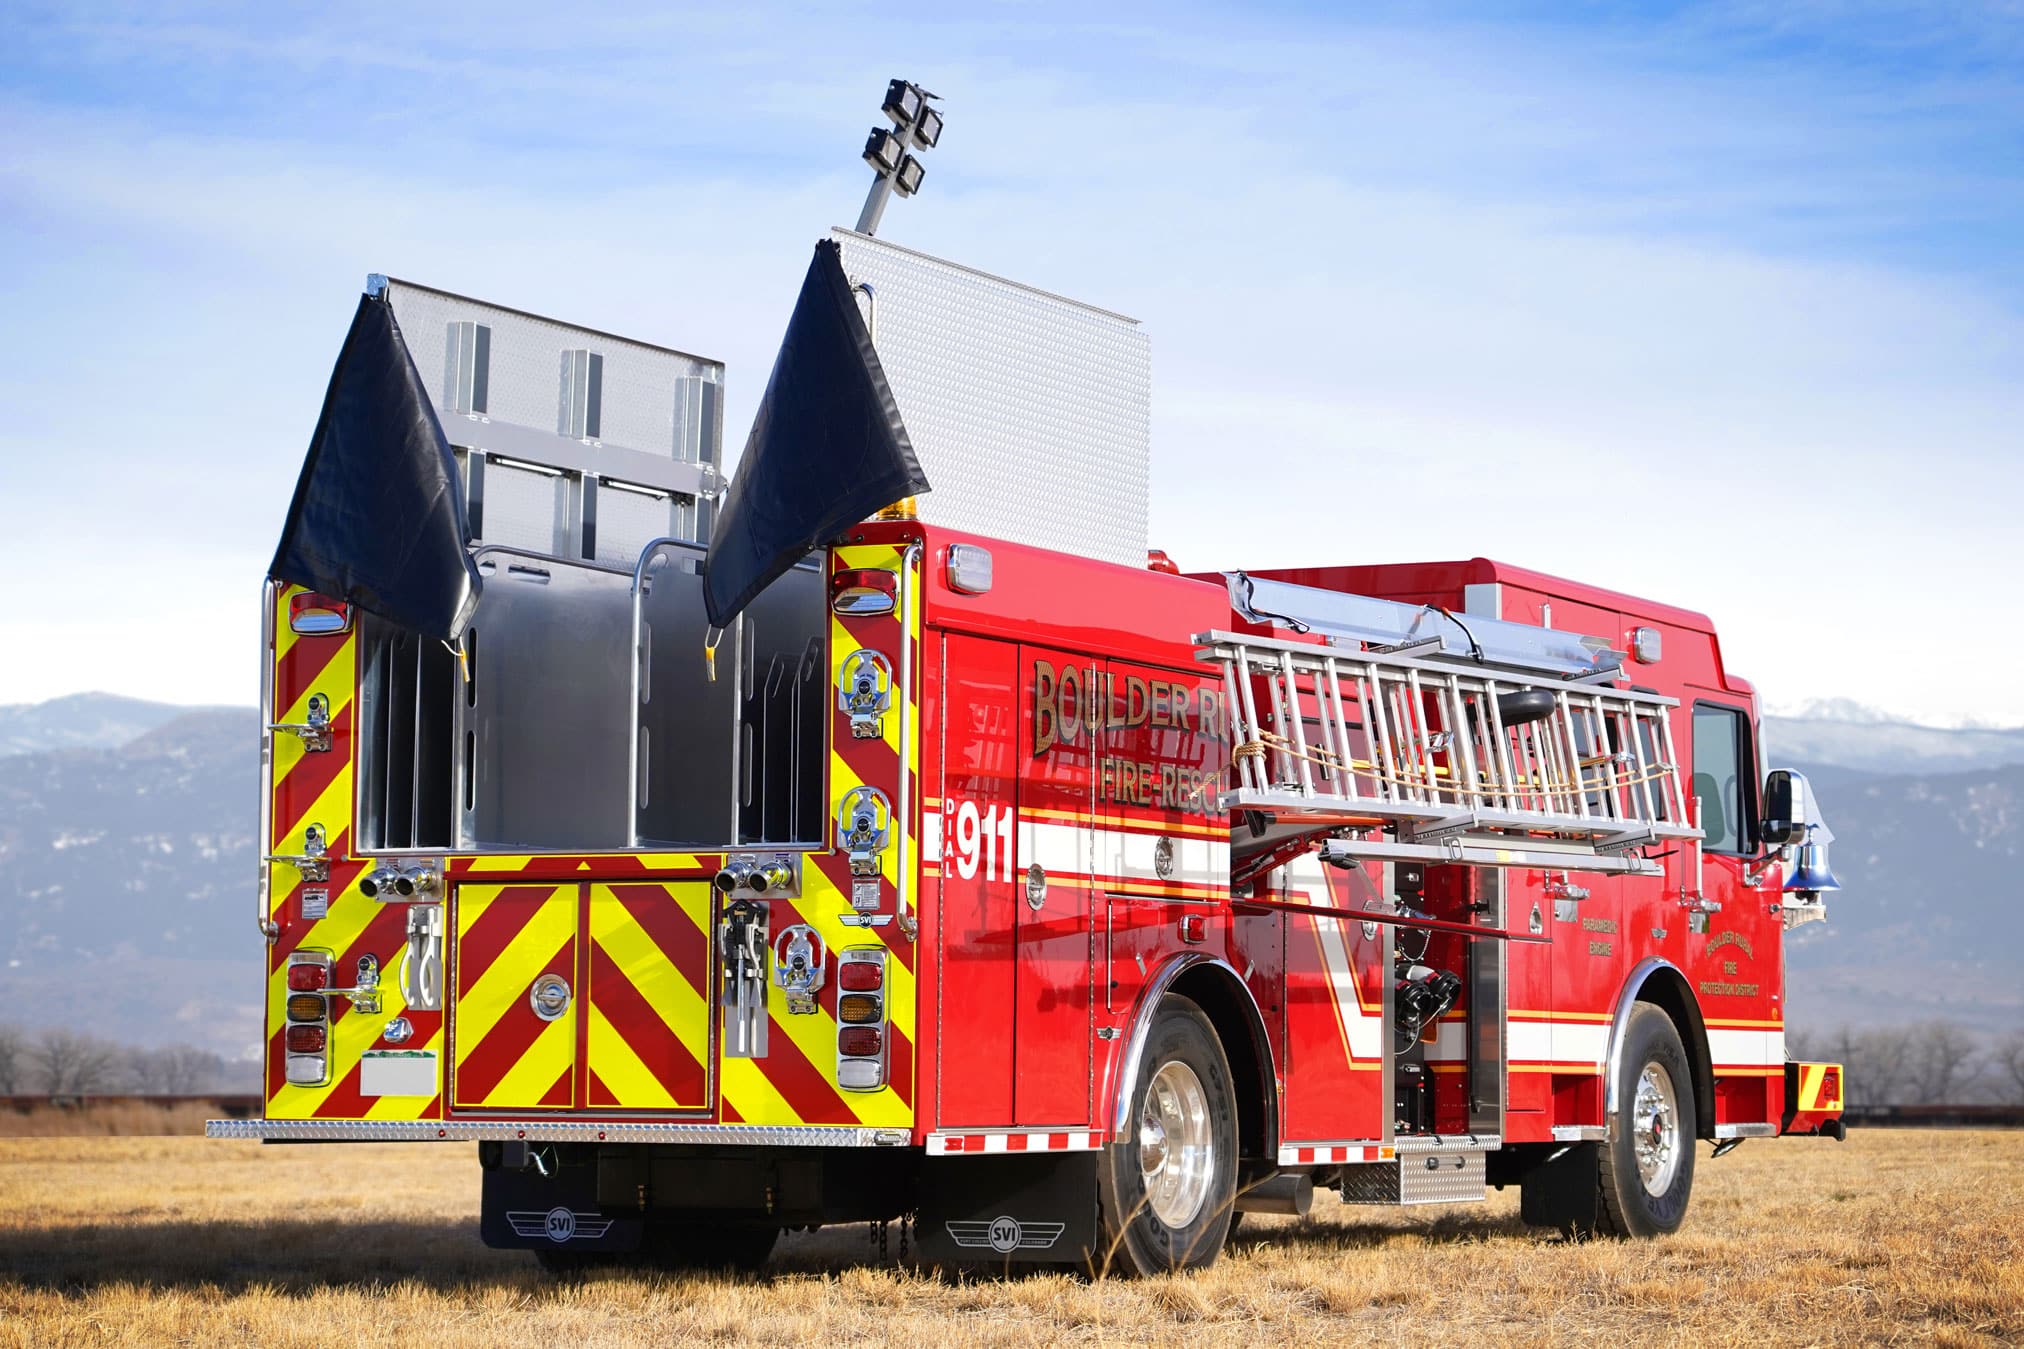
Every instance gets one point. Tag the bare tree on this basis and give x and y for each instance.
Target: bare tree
(1945, 1063)
(2008, 1060)
(176, 1070)
(70, 1063)
(13, 1061)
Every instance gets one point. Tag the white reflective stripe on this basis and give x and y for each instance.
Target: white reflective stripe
(1128, 854)
(931, 836)
(976, 1143)
(1559, 1041)
(1755, 1048)
(1125, 854)
(1056, 847)
(1363, 1031)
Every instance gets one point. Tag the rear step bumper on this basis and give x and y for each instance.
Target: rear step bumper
(554, 1131)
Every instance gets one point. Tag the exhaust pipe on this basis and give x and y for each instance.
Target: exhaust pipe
(1281, 1193)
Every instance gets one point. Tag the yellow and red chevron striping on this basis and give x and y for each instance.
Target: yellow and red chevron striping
(506, 1055)
(650, 1014)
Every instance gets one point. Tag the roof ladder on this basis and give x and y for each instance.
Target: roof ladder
(1411, 752)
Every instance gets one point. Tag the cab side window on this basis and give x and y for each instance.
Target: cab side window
(1724, 777)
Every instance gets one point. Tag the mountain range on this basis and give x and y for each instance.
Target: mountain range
(128, 856)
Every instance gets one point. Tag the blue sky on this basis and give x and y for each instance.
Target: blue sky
(1723, 304)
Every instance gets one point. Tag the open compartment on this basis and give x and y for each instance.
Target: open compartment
(582, 715)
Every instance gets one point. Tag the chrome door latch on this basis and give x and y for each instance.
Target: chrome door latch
(863, 827)
(314, 733)
(800, 957)
(311, 863)
(865, 692)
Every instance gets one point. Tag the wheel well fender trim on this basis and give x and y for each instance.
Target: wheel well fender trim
(1198, 965)
(1693, 1036)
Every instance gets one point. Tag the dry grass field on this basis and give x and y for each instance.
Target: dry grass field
(1892, 1237)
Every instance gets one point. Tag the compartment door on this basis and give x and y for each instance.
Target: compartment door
(648, 1046)
(513, 1019)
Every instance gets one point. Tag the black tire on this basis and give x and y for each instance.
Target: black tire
(1631, 1205)
(1135, 1238)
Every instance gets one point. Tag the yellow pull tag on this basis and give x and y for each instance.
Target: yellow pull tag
(710, 640)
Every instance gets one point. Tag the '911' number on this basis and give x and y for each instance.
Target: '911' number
(974, 836)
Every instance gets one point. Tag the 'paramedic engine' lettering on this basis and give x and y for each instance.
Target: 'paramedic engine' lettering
(1074, 706)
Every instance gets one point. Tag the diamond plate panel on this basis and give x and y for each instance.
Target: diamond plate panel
(551, 1130)
(1423, 1178)
(1031, 413)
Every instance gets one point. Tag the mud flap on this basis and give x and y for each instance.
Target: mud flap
(521, 1209)
(1005, 1210)
(1563, 1191)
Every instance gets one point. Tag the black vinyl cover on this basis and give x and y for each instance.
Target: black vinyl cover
(378, 517)
(827, 447)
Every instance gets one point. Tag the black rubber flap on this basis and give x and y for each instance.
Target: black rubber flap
(827, 447)
(378, 516)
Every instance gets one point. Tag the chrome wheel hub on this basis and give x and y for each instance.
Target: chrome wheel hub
(1655, 1129)
(1177, 1155)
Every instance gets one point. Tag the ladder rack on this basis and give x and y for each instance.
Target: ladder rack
(1455, 759)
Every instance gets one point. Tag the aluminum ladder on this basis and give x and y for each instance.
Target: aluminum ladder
(1412, 751)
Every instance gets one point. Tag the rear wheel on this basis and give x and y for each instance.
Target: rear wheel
(1165, 1191)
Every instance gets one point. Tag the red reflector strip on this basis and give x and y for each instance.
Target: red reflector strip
(305, 1039)
(857, 1007)
(861, 976)
(308, 978)
(860, 1041)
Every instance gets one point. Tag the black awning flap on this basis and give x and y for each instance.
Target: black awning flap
(827, 447)
(378, 517)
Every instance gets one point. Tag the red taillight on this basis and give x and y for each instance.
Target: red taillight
(863, 1042)
(307, 978)
(864, 592)
(313, 615)
(860, 976)
(305, 1039)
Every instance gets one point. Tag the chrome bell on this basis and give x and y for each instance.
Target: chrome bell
(1810, 873)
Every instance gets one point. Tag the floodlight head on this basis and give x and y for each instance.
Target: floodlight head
(882, 150)
(907, 181)
(927, 128)
(902, 102)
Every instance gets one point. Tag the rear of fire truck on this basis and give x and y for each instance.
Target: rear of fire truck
(882, 839)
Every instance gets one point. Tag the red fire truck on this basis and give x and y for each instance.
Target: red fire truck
(1057, 903)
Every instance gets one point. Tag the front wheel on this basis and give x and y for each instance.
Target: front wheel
(1647, 1171)
(1165, 1191)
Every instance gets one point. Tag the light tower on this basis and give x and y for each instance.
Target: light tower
(916, 125)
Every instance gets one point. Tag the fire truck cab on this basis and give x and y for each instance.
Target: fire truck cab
(1052, 904)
